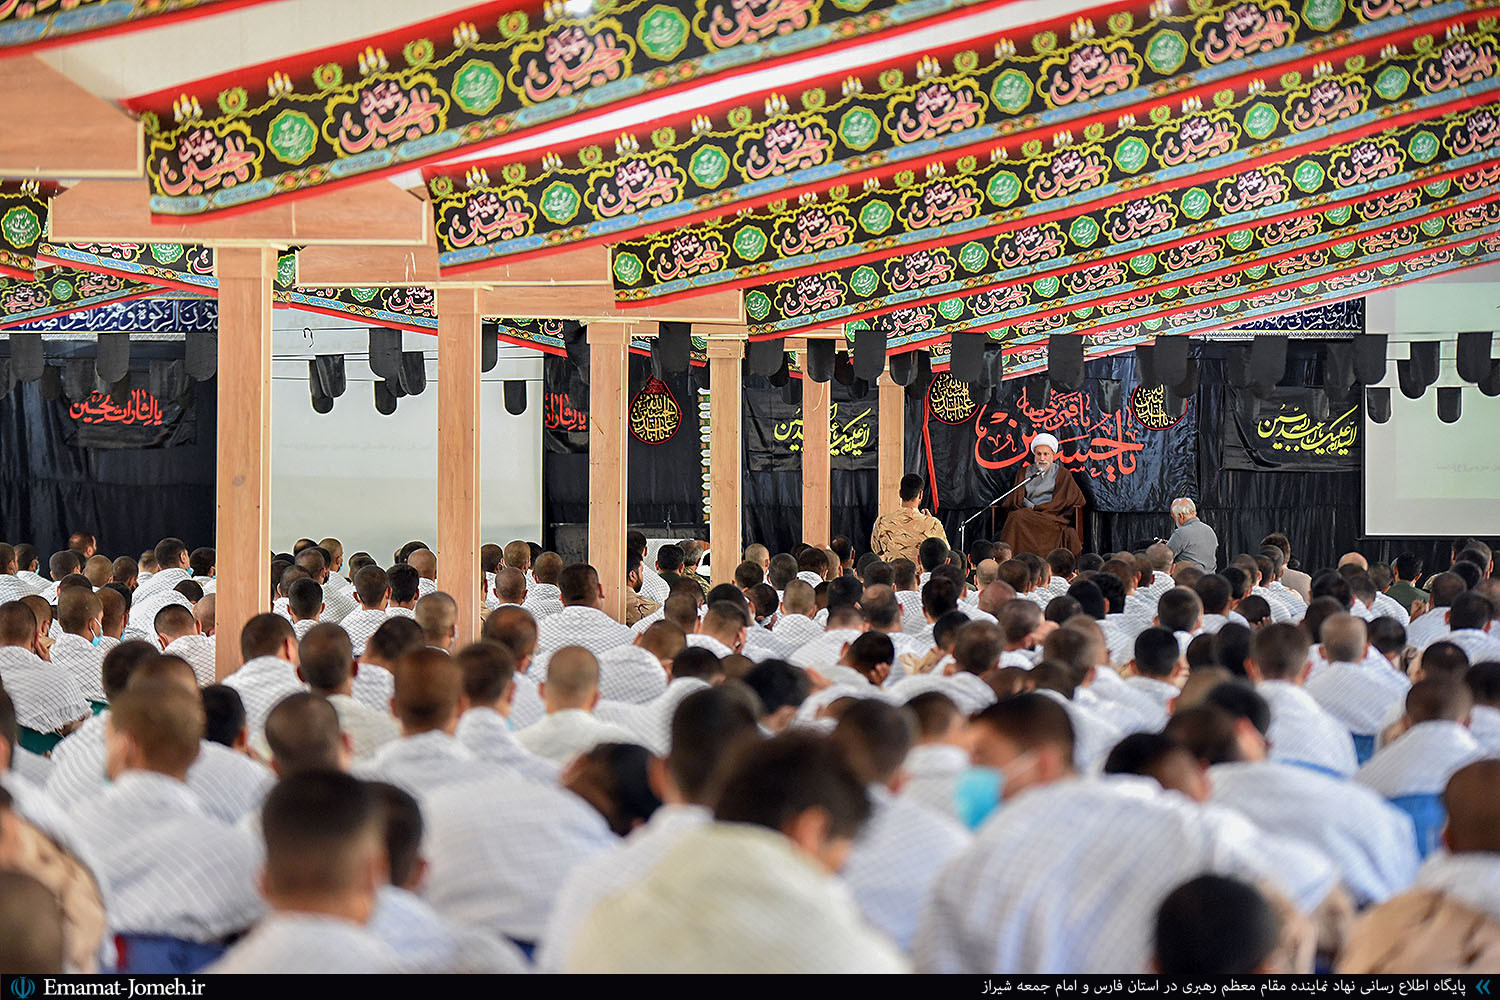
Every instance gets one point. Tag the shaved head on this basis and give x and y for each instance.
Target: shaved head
(1472, 799)
(572, 678)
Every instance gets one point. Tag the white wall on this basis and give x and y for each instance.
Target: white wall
(371, 480)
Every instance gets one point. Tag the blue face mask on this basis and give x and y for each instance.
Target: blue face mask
(977, 794)
(96, 639)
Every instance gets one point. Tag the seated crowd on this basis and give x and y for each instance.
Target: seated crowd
(982, 762)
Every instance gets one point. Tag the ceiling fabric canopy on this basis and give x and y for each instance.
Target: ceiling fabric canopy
(895, 174)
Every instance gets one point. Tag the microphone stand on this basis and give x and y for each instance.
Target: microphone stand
(963, 529)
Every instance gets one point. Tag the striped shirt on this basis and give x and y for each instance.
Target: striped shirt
(631, 674)
(577, 625)
(360, 625)
(308, 943)
(164, 866)
(423, 763)
(1420, 761)
(487, 733)
(199, 652)
(46, 696)
(262, 682)
(425, 941)
(1303, 733)
(1358, 695)
(500, 849)
(81, 659)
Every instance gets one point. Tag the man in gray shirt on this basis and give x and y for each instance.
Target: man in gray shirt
(1193, 541)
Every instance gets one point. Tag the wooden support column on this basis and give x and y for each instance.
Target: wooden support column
(609, 347)
(243, 541)
(892, 453)
(458, 454)
(725, 457)
(816, 495)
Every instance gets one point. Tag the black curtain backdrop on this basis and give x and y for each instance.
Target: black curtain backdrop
(665, 480)
(773, 464)
(129, 498)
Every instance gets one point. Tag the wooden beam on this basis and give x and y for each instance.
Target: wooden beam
(597, 302)
(458, 455)
(817, 419)
(891, 459)
(361, 214)
(609, 375)
(55, 128)
(725, 457)
(337, 266)
(243, 537)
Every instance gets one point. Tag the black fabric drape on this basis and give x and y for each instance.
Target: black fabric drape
(128, 498)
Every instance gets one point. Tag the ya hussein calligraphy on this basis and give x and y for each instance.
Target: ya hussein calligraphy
(558, 413)
(141, 410)
(1298, 431)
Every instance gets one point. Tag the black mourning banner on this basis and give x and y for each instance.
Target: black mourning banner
(143, 421)
(1125, 448)
(1284, 434)
(773, 431)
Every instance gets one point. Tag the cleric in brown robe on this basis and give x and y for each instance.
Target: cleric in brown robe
(1039, 517)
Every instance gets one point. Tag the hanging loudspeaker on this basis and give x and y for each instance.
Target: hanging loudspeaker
(1171, 359)
(672, 350)
(1369, 358)
(818, 362)
(515, 396)
(27, 359)
(869, 353)
(1188, 386)
(1145, 365)
(1474, 355)
(385, 399)
(112, 358)
(1420, 370)
(1237, 365)
(1450, 404)
(1267, 362)
(764, 357)
(843, 369)
(51, 379)
(1378, 404)
(385, 353)
(1065, 361)
(489, 347)
(966, 358)
(1338, 369)
(575, 338)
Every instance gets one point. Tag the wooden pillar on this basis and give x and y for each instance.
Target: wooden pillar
(243, 535)
(725, 457)
(892, 444)
(609, 347)
(816, 496)
(458, 454)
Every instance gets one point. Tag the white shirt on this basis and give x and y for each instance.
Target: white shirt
(705, 641)
(228, 784)
(795, 631)
(607, 873)
(653, 587)
(1428, 628)
(1024, 899)
(82, 659)
(302, 943)
(149, 584)
(164, 866)
(302, 626)
(360, 624)
(1386, 605)
(1420, 761)
(198, 651)
(1161, 693)
(367, 729)
(1370, 841)
(144, 609)
(337, 605)
(1358, 695)
(933, 771)
(1473, 878)
(1484, 726)
(542, 599)
(13, 588)
(262, 682)
(631, 674)
(487, 733)
(577, 625)
(912, 616)
(563, 735)
(423, 763)
(1303, 733)
(501, 848)
(731, 898)
(35, 806)
(46, 696)
(896, 859)
(810, 578)
(1477, 643)
(526, 708)
(825, 649)
(424, 941)
(374, 686)
(651, 723)
(1094, 736)
(966, 690)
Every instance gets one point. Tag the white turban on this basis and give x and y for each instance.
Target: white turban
(1044, 439)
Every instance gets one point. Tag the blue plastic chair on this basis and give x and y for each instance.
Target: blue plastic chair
(38, 743)
(1427, 816)
(1364, 746)
(151, 954)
